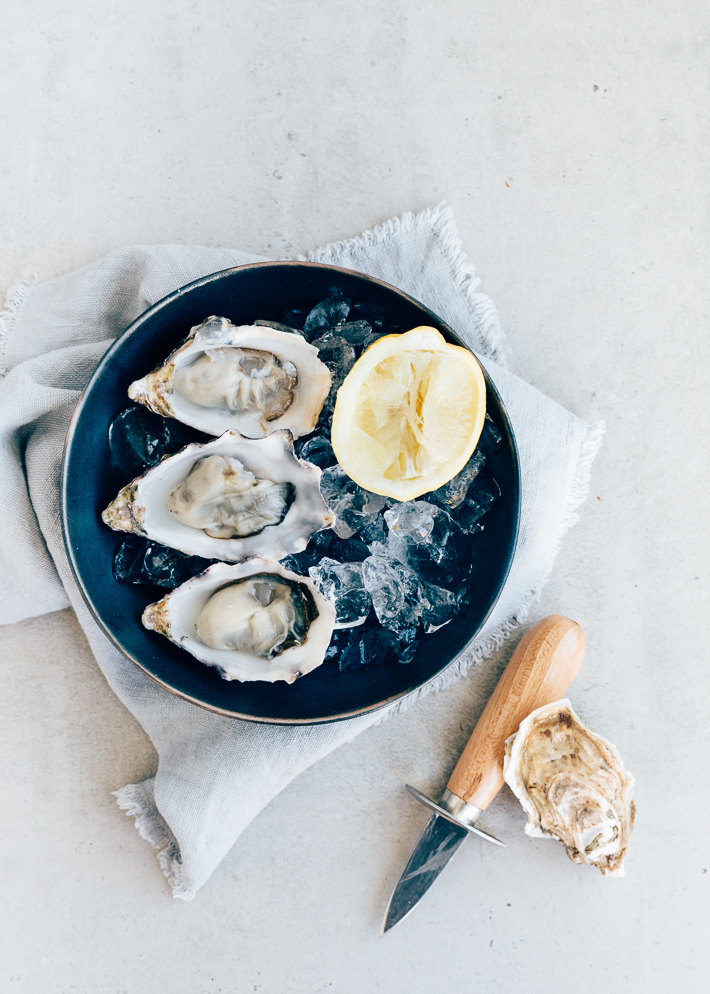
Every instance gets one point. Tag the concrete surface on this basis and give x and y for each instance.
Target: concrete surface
(571, 141)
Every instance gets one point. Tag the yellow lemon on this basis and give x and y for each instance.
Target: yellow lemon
(409, 414)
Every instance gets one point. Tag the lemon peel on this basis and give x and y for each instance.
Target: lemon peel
(409, 414)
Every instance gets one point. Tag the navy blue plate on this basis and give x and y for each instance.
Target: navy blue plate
(90, 481)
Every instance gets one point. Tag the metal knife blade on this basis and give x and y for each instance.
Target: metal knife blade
(437, 844)
(540, 671)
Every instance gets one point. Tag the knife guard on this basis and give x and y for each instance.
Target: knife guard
(540, 671)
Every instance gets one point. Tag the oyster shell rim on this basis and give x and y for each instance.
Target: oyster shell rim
(155, 389)
(512, 761)
(190, 597)
(308, 513)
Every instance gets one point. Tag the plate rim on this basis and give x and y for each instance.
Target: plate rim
(132, 328)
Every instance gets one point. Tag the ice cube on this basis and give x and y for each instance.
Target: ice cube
(350, 656)
(408, 650)
(317, 450)
(374, 647)
(353, 507)
(454, 492)
(352, 333)
(479, 500)
(413, 521)
(326, 314)
(438, 606)
(337, 354)
(348, 550)
(402, 600)
(299, 562)
(140, 561)
(139, 439)
(340, 358)
(295, 318)
(128, 561)
(421, 533)
(369, 310)
(490, 438)
(375, 532)
(394, 588)
(342, 584)
(339, 641)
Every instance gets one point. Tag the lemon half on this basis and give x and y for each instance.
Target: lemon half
(409, 414)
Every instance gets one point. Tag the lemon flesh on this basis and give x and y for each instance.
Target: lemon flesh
(409, 414)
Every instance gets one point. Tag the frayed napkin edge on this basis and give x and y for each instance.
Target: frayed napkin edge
(14, 299)
(134, 800)
(440, 221)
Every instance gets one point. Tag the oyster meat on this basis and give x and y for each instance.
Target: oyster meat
(572, 785)
(252, 378)
(252, 621)
(227, 499)
(239, 380)
(221, 497)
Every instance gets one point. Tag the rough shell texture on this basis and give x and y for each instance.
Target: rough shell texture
(141, 507)
(572, 785)
(214, 337)
(175, 617)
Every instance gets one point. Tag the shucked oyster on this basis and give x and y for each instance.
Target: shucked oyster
(226, 499)
(240, 380)
(572, 786)
(252, 378)
(253, 621)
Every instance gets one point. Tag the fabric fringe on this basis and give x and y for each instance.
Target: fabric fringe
(475, 654)
(440, 220)
(578, 493)
(14, 299)
(469, 658)
(132, 799)
(580, 485)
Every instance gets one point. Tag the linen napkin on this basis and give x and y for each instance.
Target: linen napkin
(215, 774)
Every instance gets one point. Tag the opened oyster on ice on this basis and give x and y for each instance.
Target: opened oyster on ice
(252, 621)
(227, 499)
(253, 378)
(572, 785)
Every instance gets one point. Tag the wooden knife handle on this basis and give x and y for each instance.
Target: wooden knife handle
(540, 670)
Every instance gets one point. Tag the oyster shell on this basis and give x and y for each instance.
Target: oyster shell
(572, 785)
(252, 378)
(226, 499)
(253, 621)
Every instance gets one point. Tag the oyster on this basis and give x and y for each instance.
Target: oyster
(226, 499)
(252, 378)
(253, 621)
(572, 785)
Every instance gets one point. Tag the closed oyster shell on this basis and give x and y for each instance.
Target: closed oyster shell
(148, 505)
(196, 616)
(251, 378)
(572, 785)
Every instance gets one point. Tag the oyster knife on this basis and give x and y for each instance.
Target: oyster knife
(540, 671)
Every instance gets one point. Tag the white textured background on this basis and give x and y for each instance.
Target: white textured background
(572, 143)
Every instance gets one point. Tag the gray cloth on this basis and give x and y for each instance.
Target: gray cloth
(215, 774)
